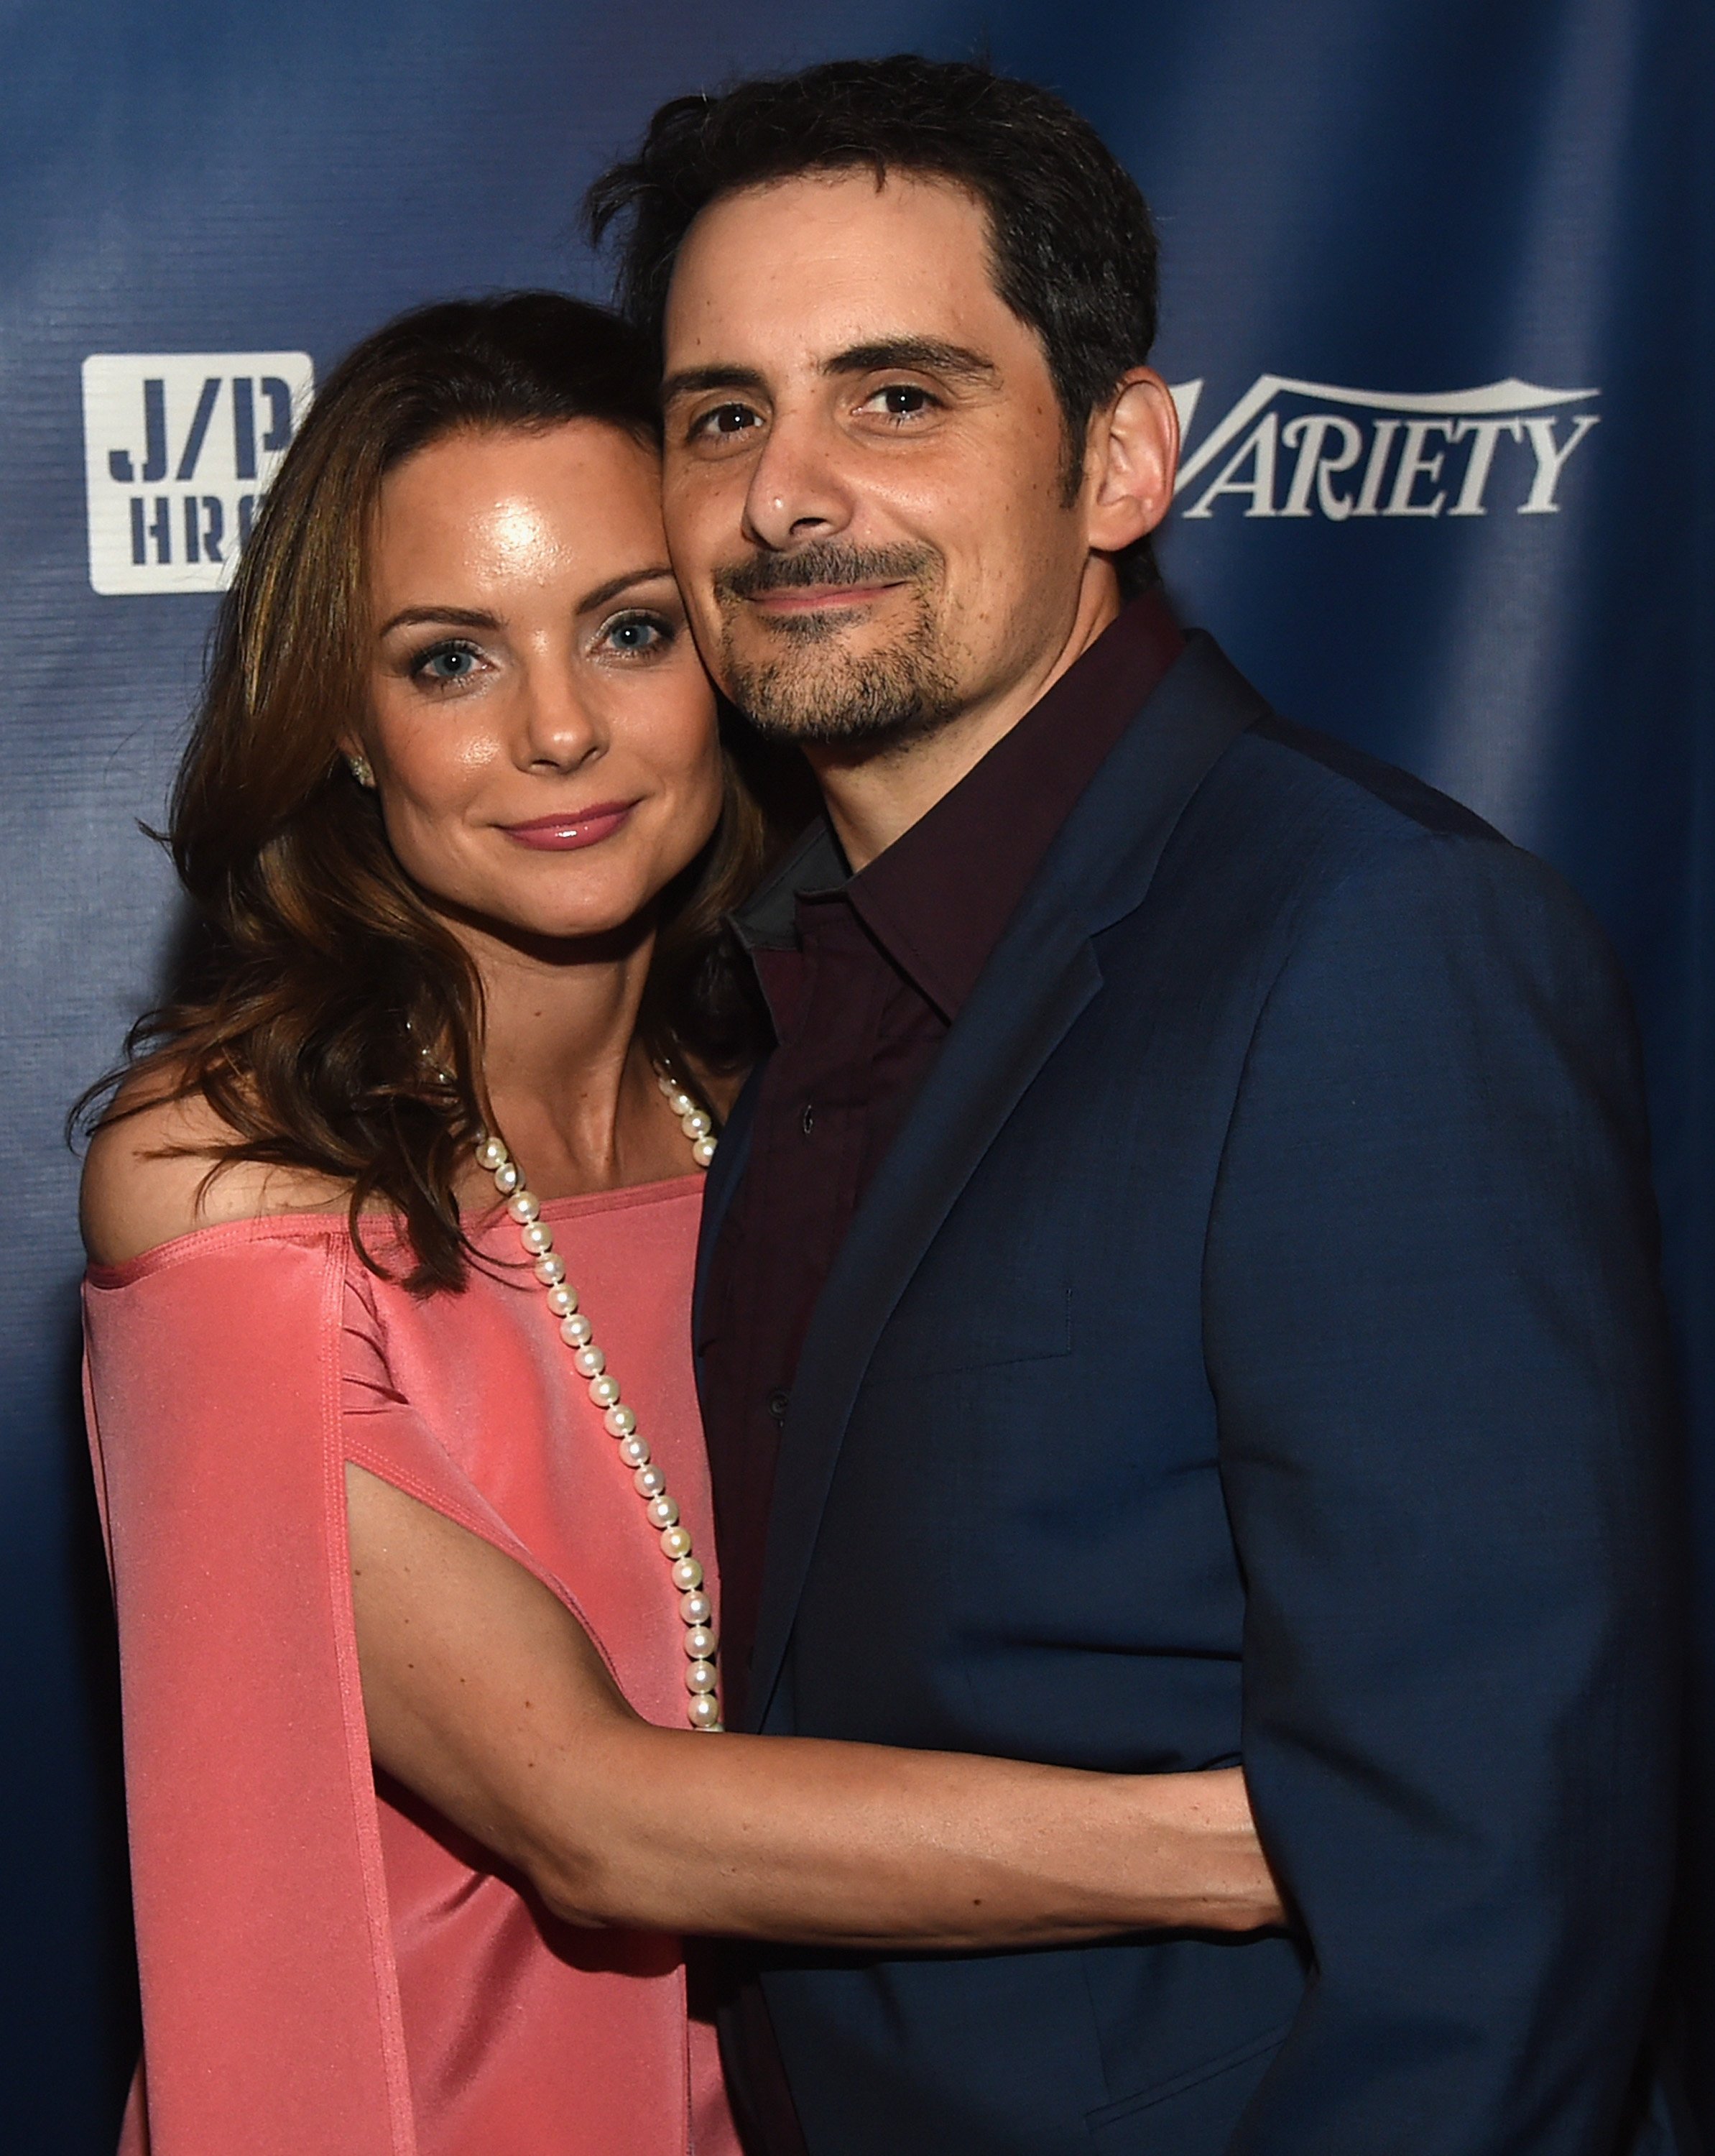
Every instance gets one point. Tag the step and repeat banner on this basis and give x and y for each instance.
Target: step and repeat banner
(1437, 313)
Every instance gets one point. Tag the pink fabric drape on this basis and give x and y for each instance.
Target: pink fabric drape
(327, 1971)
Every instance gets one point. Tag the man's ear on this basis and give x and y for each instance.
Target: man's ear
(1129, 463)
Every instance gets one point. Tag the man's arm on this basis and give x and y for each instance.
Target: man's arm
(1435, 1340)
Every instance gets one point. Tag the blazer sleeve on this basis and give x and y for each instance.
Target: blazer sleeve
(1436, 1345)
(271, 2019)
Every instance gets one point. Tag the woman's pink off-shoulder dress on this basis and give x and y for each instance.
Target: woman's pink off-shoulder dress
(329, 1969)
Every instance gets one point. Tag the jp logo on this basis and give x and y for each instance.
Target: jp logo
(178, 450)
(1308, 449)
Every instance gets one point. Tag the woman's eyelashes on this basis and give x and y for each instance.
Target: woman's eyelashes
(449, 663)
(639, 633)
(452, 664)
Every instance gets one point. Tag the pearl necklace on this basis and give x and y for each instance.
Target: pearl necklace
(695, 1607)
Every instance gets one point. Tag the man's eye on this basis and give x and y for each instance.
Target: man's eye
(901, 400)
(726, 422)
(443, 665)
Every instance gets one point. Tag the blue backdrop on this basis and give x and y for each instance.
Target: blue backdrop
(1438, 292)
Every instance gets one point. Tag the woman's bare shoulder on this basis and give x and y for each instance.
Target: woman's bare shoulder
(146, 1178)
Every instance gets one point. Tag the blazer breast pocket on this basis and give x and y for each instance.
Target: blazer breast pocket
(981, 1333)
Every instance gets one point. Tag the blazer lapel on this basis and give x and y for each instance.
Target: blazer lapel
(1042, 974)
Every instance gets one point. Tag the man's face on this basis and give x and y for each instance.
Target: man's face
(865, 471)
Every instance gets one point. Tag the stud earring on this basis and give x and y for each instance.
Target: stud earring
(360, 770)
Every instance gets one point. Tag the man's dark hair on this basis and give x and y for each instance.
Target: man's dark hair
(1073, 248)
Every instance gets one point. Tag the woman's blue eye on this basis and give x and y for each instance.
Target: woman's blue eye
(447, 662)
(635, 633)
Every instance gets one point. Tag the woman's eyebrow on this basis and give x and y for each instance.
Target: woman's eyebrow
(460, 617)
(614, 585)
(417, 617)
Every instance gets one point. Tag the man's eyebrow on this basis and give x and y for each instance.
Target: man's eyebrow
(692, 381)
(920, 355)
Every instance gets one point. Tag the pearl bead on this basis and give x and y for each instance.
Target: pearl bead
(696, 1609)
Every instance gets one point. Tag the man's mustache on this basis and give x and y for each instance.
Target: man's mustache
(822, 562)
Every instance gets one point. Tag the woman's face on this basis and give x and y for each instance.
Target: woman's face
(541, 731)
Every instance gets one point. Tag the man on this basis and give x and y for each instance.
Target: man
(1181, 1288)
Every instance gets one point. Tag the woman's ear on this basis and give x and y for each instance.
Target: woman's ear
(357, 764)
(1129, 463)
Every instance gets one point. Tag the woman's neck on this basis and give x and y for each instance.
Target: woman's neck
(568, 1081)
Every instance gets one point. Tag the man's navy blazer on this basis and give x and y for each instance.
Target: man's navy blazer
(1250, 1348)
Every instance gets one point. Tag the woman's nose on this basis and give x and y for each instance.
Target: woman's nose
(558, 727)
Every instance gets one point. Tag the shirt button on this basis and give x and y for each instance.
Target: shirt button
(807, 1121)
(778, 1402)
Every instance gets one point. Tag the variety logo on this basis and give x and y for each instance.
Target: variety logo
(1310, 448)
(178, 448)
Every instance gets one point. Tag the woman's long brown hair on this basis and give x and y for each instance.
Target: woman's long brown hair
(321, 970)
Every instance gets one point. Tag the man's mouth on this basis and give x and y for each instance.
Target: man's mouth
(820, 582)
(820, 599)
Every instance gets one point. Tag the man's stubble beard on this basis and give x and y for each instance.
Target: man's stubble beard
(817, 695)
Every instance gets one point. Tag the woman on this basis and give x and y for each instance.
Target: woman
(399, 1454)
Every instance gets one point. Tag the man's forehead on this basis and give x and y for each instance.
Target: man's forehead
(790, 273)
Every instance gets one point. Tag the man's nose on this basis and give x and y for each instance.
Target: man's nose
(798, 490)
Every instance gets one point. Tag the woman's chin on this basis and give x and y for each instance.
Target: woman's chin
(558, 933)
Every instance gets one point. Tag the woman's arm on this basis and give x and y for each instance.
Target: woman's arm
(485, 1696)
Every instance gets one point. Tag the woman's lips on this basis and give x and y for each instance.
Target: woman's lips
(566, 833)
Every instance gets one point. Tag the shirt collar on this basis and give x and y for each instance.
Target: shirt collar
(768, 920)
(939, 897)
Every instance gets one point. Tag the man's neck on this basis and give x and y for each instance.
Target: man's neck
(873, 800)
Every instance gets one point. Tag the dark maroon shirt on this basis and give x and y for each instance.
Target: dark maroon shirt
(864, 975)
